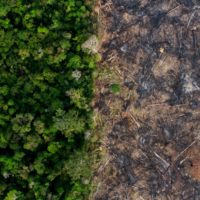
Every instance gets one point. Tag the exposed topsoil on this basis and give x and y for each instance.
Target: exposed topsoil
(153, 147)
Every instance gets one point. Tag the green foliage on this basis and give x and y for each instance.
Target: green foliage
(45, 94)
(78, 98)
(80, 176)
(22, 123)
(14, 195)
(115, 88)
(69, 123)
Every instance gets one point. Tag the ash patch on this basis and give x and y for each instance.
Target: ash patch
(166, 145)
(166, 35)
(170, 37)
(129, 5)
(123, 162)
(157, 161)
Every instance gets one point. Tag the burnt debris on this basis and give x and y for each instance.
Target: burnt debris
(157, 43)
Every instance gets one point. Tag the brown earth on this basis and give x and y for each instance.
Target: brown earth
(151, 49)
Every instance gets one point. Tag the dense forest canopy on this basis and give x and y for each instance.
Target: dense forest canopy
(45, 93)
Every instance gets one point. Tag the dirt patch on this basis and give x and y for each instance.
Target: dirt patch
(153, 139)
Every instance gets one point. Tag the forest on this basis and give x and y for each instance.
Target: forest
(99, 99)
(46, 87)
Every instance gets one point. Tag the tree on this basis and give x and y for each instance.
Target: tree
(69, 123)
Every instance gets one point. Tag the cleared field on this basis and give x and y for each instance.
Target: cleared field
(152, 139)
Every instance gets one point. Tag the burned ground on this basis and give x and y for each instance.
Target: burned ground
(154, 144)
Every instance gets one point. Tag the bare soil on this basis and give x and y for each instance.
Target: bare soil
(152, 139)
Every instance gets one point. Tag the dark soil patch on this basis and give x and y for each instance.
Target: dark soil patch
(155, 151)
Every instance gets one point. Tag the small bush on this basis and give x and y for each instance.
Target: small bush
(115, 88)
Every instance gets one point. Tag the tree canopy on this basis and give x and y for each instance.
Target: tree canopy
(45, 93)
